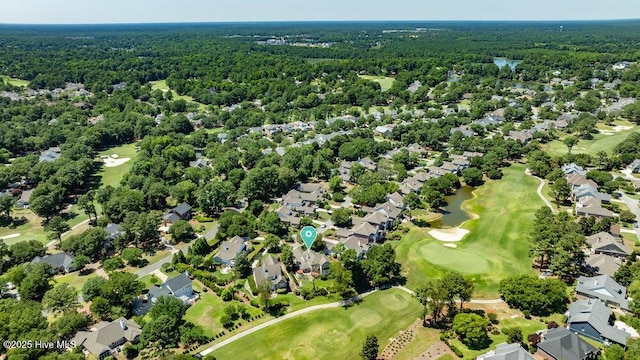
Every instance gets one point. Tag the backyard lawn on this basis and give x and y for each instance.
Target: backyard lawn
(384, 81)
(497, 245)
(336, 333)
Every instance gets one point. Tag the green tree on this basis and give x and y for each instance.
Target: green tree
(472, 176)
(272, 243)
(264, 294)
(242, 266)
(36, 281)
(93, 287)
(79, 262)
(215, 195)
(614, 352)
(560, 190)
(112, 264)
(61, 298)
(514, 335)
(132, 256)
(370, 348)
(86, 203)
(457, 287)
(570, 141)
(24, 251)
(341, 217)
(6, 204)
(287, 257)
(181, 231)
(472, 329)
(270, 222)
(380, 266)
(343, 280)
(434, 297)
(57, 225)
(68, 324)
(538, 296)
(47, 199)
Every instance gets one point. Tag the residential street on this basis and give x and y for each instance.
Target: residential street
(633, 206)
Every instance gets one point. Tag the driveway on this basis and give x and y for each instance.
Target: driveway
(157, 265)
(633, 206)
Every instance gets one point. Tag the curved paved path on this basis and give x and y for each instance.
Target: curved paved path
(314, 308)
(544, 199)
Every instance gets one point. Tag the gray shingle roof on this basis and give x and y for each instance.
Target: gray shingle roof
(58, 260)
(506, 351)
(106, 333)
(596, 314)
(563, 344)
(178, 282)
(603, 287)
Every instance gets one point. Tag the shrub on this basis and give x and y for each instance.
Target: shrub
(527, 314)
(493, 318)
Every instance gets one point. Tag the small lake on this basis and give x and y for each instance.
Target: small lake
(453, 214)
(501, 62)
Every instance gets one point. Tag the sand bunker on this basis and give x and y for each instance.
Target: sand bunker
(10, 236)
(450, 245)
(114, 160)
(455, 234)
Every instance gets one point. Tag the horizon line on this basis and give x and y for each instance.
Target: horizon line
(324, 21)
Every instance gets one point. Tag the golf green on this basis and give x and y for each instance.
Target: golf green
(497, 244)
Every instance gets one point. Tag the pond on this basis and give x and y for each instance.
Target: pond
(500, 62)
(453, 215)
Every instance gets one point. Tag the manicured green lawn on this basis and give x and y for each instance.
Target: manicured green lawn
(74, 279)
(14, 81)
(384, 81)
(336, 333)
(162, 85)
(207, 311)
(600, 142)
(31, 230)
(497, 245)
(113, 175)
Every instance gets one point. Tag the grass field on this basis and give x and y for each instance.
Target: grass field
(162, 85)
(208, 310)
(384, 81)
(497, 245)
(14, 81)
(74, 280)
(113, 175)
(336, 333)
(600, 142)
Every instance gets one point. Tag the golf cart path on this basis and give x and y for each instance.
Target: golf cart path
(544, 199)
(314, 308)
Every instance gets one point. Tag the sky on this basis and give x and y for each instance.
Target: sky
(149, 11)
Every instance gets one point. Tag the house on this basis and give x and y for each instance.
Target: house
(287, 216)
(521, 136)
(25, 199)
(61, 262)
(601, 264)
(417, 149)
(506, 351)
(605, 243)
(113, 231)
(229, 250)
(366, 231)
(310, 261)
(179, 286)
(379, 220)
(180, 212)
(358, 245)
(570, 169)
(604, 288)
(464, 130)
(50, 155)
(368, 164)
(634, 166)
(200, 163)
(344, 170)
(577, 179)
(396, 199)
(270, 271)
(107, 338)
(562, 344)
(586, 190)
(591, 318)
(593, 207)
(382, 130)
